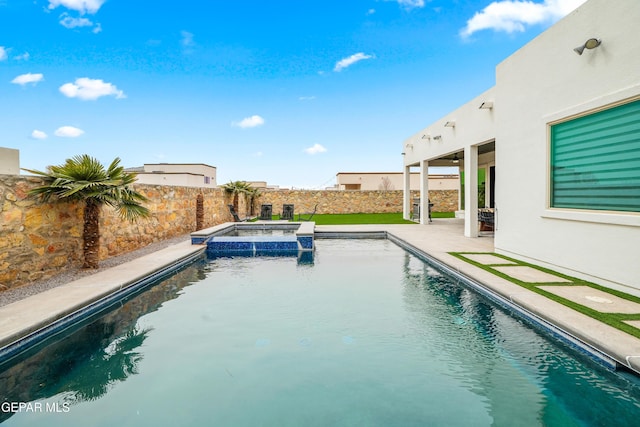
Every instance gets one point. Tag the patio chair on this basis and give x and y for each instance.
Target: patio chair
(486, 217)
(308, 215)
(265, 212)
(236, 218)
(287, 212)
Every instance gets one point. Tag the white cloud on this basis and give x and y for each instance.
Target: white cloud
(346, 62)
(249, 122)
(71, 22)
(514, 16)
(23, 79)
(81, 6)
(24, 57)
(371, 12)
(3, 53)
(187, 39)
(411, 3)
(68, 132)
(38, 134)
(306, 98)
(317, 148)
(89, 89)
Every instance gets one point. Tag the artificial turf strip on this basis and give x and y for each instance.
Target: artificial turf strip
(362, 218)
(357, 218)
(615, 320)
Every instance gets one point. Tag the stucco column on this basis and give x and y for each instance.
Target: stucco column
(406, 195)
(471, 191)
(424, 192)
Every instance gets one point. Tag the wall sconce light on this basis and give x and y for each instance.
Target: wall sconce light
(589, 44)
(455, 158)
(486, 105)
(437, 137)
(426, 136)
(450, 124)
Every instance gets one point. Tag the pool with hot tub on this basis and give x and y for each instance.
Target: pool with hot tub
(256, 239)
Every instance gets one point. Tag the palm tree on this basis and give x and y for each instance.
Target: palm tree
(253, 194)
(83, 178)
(236, 188)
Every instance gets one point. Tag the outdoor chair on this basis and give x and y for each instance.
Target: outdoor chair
(236, 218)
(287, 212)
(486, 217)
(308, 215)
(265, 212)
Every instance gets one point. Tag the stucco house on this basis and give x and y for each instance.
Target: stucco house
(559, 139)
(373, 181)
(177, 174)
(9, 161)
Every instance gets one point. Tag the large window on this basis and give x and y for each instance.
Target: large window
(595, 161)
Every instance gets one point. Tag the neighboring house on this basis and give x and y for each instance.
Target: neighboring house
(364, 181)
(559, 138)
(9, 161)
(177, 174)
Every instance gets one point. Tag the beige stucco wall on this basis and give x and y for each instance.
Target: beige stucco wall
(372, 181)
(176, 179)
(9, 161)
(178, 174)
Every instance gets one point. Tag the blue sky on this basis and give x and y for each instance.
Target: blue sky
(288, 92)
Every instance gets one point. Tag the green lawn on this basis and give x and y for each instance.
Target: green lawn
(367, 218)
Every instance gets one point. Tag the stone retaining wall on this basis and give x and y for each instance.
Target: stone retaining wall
(344, 202)
(38, 239)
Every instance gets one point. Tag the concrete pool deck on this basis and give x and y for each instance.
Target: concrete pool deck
(437, 240)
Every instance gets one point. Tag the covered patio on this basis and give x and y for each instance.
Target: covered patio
(464, 140)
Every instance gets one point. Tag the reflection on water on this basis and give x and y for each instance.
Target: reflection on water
(491, 336)
(85, 364)
(366, 335)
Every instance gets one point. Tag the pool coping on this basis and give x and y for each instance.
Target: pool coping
(30, 319)
(47, 313)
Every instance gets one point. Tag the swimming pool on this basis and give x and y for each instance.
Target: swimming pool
(366, 335)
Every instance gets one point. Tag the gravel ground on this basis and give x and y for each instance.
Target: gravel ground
(69, 275)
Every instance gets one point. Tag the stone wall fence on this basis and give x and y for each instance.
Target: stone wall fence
(353, 201)
(38, 239)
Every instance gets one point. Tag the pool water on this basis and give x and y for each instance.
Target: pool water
(367, 335)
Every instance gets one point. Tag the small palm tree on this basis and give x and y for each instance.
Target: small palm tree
(235, 188)
(253, 194)
(83, 178)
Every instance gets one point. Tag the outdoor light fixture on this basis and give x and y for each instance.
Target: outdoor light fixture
(589, 44)
(450, 124)
(437, 137)
(486, 105)
(426, 136)
(455, 158)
